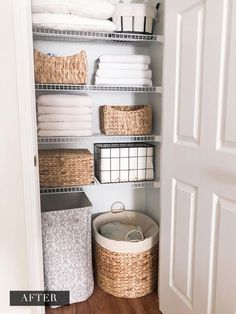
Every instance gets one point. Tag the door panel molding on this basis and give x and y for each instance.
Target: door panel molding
(184, 205)
(188, 100)
(226, 133)
(222, 209)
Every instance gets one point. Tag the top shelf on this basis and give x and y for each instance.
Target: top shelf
(56, 35)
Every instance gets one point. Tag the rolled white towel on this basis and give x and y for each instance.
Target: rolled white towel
(124, 73)
(64, 110)
(143, 59)
(65, 132)
(69, 22)
(123, 66)
(60, 100)
(64, 117)
(65, 125)
(123, 81)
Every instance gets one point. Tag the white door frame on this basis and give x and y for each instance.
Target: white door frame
(28, 136)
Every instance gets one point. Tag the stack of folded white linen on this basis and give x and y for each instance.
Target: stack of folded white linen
(124, 70)
(73, 15)
(64, 115)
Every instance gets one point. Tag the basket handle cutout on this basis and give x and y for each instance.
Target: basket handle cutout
(117, 210)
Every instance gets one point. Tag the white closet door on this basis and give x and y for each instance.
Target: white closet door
(198, 197)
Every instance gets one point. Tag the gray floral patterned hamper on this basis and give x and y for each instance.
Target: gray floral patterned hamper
(67, 253)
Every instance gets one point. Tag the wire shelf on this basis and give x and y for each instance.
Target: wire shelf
(58, 35)
(97, 88)
(99, 137)
(134, 185)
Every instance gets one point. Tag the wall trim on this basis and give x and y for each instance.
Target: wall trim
(28, 137)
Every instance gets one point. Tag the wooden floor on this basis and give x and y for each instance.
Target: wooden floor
(102, 303)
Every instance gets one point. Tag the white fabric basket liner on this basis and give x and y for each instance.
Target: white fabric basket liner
(135, 9)
(149, 227)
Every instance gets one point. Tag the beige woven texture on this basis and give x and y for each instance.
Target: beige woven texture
(126, 120)
(60, 70)
(65, 167)
(126, 275)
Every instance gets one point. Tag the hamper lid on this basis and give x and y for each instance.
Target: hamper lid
(65, 201)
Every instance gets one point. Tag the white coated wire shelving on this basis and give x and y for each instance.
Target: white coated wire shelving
(61, 35)
(107, 37)
(97, 88)
(98, 138)
(97, 185)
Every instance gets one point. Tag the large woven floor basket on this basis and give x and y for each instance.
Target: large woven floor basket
(126, 269)
(65, 167)
(126, 120)
(60, 70)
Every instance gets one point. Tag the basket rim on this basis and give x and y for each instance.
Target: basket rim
(134, 108)
(65, 152)
(124, 246)
(59, 57)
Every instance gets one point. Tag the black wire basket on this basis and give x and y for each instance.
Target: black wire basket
(124, 162)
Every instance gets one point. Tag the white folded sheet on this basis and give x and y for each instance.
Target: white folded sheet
(69, 22)
(64, 117)
(120, 66)
(143, 59)
(65, 133)
(123, 81)
(65, 125)
(99, 9)
(124, 73)
(118, 231)
(60, 100)
(64, 110)
(96, 9)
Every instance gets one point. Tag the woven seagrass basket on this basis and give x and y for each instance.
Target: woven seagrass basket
(65, 167)
(126, 269)
(60, 70)
(126, 120)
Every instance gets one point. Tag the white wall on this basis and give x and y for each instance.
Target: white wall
(14, 270)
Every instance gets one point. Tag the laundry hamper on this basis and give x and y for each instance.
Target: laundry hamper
(126, 269)
(60, 70)
(65, 167)
(126, 120)
(66, 236)
(134, 17)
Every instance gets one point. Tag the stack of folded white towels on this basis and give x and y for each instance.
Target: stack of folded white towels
(64, 115)
(124, 70)
(73, 15)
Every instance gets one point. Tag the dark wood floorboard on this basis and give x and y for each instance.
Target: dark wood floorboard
(103, 303)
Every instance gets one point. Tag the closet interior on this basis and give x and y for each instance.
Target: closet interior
(141, 196)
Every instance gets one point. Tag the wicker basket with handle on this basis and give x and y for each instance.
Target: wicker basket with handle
(65, 167)
(126, 120)
(126, 269)
(60, 70)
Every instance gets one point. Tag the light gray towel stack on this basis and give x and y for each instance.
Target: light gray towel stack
(64, 115)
